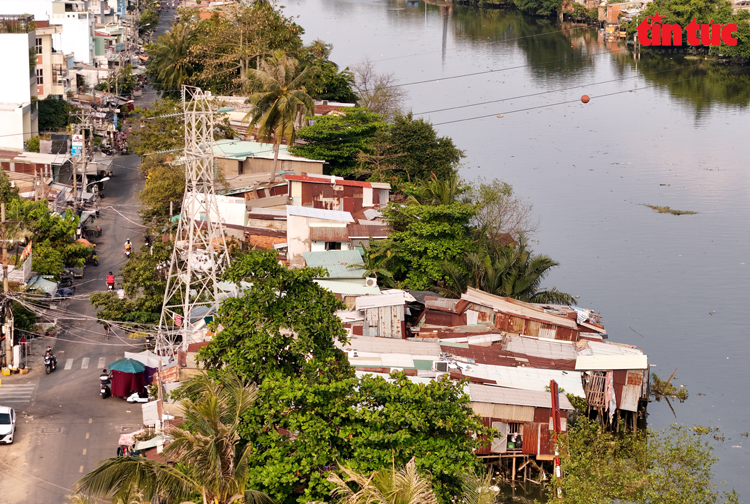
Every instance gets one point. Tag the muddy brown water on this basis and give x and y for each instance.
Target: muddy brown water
(665, 130)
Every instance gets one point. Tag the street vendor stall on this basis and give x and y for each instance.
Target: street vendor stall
(127, 377)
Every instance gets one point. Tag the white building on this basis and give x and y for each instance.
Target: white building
(77, 21)
(18, 115)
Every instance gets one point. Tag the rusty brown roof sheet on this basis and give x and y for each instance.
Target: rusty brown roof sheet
(362, 231)
(329, 234)
(443, 304)
(495, 356)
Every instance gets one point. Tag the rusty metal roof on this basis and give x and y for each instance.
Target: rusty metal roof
(516, 397)
(361, 231)
(329, 234)
(438, 303)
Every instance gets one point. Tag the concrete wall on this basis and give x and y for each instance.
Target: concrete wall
(17, 83)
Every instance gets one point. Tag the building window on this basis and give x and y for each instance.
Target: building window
(333, 246)
(514, 427)
(39, 76)
(38, 45)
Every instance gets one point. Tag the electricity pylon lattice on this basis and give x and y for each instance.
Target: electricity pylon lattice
(200, 251)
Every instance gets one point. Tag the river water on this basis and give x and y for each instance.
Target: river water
(665, 130)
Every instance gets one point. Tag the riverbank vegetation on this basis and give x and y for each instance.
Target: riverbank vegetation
(296, 425)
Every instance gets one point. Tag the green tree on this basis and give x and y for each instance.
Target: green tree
(47, 260)
(424, 238)
(423, 152)
(682, 12)
(32, 145)
(504, 270)
(144, 282)
(163, 130)
(280, 102)
(165, 184)
(54, 114)
(227, 47)
(206, 460)
(668, 467)
(170, 62)
(387, 486)
(8, 192)
(283, 324)
(339, 139)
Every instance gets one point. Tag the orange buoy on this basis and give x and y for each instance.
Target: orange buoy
(585, 98)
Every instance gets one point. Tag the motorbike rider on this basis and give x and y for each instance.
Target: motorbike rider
(111, 281)
(128, 247)
(104, 378)
(48, 353)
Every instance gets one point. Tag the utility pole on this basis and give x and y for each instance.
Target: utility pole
(7, 310)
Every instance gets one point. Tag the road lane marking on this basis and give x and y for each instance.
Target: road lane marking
(84, 451)
(80, 470)
(87, 435)
(17, 393)
(91, 420)
(102, 362)
(68, 364)
(85, 363)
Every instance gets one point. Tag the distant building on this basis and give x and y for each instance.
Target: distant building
(18, 112)
(76, 17)
(240, 157)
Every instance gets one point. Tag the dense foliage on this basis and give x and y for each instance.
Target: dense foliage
(281, 333)
(340, 139)
(682, 12)
(672, 466)
(54, 114)
(360, 144)
(143, 278)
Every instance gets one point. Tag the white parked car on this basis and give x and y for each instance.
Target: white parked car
(7, 424)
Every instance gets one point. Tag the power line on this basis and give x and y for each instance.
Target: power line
(590, 84)
(553, 104)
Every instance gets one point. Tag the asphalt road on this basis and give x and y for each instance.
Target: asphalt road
(64, 428)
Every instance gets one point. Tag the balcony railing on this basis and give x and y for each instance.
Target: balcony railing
(16, 23)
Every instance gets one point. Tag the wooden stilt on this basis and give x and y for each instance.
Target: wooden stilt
(513, 478)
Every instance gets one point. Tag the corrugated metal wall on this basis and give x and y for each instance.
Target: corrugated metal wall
(385, 321)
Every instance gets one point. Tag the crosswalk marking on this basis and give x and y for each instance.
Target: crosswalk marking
(85, 363)
(20, 393)
(102, 362)
(68, 364)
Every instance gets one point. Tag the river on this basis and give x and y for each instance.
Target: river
(665, 130)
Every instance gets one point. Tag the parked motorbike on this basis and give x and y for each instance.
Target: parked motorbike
(49, 364)
(65, 281)
(104, 386)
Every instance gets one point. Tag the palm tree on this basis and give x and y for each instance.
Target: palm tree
(208, 462)
(281, 101)
(388, 486)
(440, 192)
(507, 271)
(375, 266)
(171, 64)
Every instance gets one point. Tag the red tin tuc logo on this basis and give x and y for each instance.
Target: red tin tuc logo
(657, 34)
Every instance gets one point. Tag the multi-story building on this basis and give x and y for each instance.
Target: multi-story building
(74, 16)
(18, 88)
(52, 66)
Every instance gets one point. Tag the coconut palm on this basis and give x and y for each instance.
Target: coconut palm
(206, 462)
(387, 486)
(281, 101)
(504, 270)
(171, 64)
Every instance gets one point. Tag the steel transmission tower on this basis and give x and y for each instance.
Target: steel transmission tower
(200, 251)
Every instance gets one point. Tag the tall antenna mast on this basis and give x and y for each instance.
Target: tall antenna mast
(200, 251)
